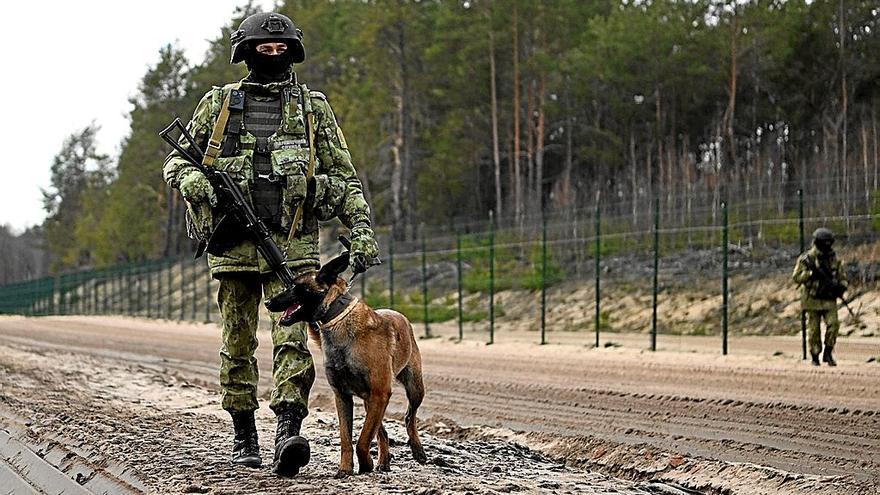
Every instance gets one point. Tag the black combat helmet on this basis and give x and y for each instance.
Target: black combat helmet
(265, 27)
(823, 239)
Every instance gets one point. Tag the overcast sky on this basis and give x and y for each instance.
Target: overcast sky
(69, 63)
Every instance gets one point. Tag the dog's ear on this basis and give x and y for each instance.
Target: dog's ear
(329, 272)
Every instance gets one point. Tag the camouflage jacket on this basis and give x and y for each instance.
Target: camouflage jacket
(341, 193)
(811, 285)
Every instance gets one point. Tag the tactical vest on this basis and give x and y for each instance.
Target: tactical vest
(262, 117)
(265, 149)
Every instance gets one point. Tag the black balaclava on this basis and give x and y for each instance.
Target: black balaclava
(269, 68)
(824, 246)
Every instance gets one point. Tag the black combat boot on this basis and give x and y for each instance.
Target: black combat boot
(827, 357)
(291, 450)
(245, 447)
(815, 359)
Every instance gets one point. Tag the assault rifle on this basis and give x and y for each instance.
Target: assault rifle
(237, 216)
(828, 283)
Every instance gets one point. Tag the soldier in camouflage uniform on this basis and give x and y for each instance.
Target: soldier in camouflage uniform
(822, 280)
(265, 148)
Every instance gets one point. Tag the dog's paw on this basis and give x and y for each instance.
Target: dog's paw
(343, 473)
(365, 466)
(419, 454)
(385, 464)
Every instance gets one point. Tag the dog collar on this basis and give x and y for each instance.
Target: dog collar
(338, 309)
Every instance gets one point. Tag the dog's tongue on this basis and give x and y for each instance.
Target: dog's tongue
(287, 316)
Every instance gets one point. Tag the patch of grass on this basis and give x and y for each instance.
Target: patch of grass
(411, 305)
(700, 330)
(605, 321)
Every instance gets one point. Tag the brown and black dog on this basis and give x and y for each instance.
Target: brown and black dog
(364, 351)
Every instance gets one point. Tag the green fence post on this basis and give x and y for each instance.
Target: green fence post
(87, 291)
(108, 290)
(96, 293)
(117, 289)
(195, 289)
(62, 296)
(62, 309)
(170, 279)
(53, 288)
(22, 295)
(458, 273)
(724, 302)
(656, 269)
(391, 270)
(139, 283)
(491, 277)
(132, 284)
(40, 299)
(100, 302)
(160, 288)
(91, 300)
(36, 299)
(425, 287)
(44, 302)
(598, 254)
(74, 293)
(96, 282)
(800, 193)
(83, 291)
(120, 289)
(149, 276)
(182, 288)
(125, 289)
(543, 279)
(71, 295)
(207, 293)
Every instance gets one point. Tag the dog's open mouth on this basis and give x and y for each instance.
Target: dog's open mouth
(289, 315)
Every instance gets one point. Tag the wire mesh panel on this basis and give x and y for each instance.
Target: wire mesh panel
(650, 273)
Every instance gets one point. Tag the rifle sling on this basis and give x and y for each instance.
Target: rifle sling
(215, 141)
(310, 172)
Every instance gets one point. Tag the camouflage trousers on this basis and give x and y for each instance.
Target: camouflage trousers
(814, 334)
(293, 370)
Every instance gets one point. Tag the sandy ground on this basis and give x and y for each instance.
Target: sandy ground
(509, 417)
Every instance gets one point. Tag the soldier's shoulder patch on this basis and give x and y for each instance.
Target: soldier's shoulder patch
(341, 138)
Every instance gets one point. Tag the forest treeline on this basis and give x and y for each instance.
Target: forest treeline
(455, 108)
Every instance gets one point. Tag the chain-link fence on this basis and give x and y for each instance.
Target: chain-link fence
(646, 278)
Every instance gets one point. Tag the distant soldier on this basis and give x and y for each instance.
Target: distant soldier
(822, 280)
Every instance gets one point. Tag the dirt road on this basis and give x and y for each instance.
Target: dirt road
(736, 424)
